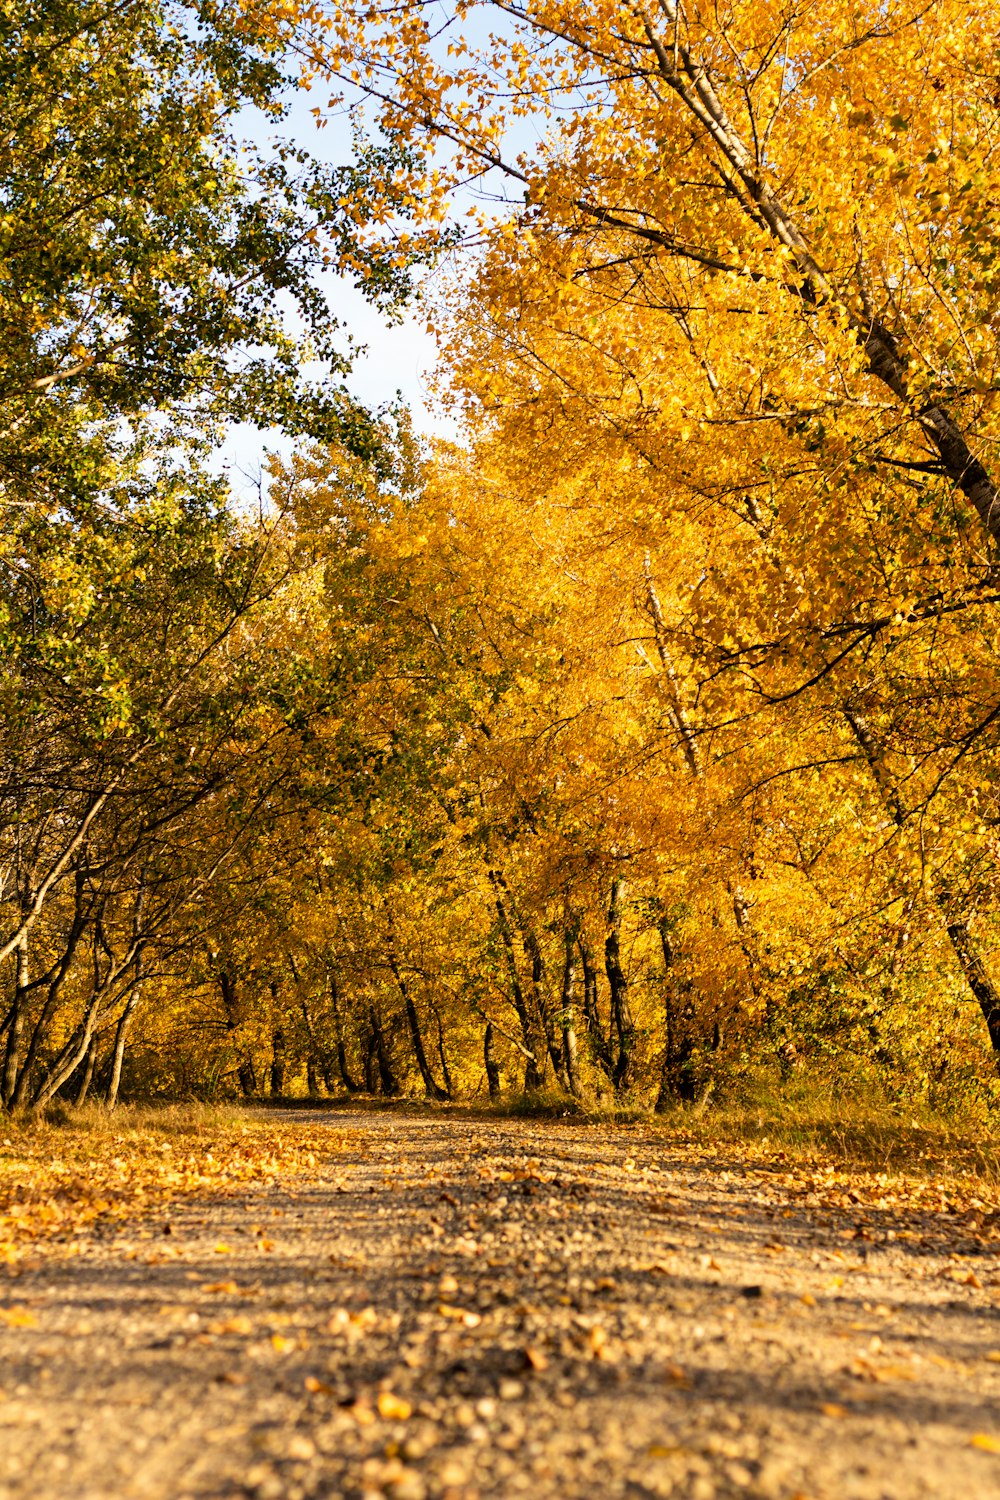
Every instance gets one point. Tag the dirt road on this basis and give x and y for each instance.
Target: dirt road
(457, 1308)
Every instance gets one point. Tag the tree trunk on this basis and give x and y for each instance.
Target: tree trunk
(350, 1084)
(621, 1011)
(278, 1046)
(371, 1064)
(87, 1076)
(600, 1045)
(71, 1056)
(431, 1086)
(15, 1033)
(568, 1016)
(492, 1066)
(118, 1053)
(974, 970)
(677, 1080)
(314, 1063)
(442, 1054)
(278, 1063)
(553, 1041)
(744, 929)
(532, 1072)
(245, 1069)
(390, 1086)
(40, 1030)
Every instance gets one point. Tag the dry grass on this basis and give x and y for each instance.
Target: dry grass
(809, 1118)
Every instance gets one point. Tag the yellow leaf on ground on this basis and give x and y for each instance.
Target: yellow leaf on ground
(240, 1324)
(393, 1408)
(18, 1317)
(460, 1315)
(282, 1344)
(894, 1372)
(986, 1442)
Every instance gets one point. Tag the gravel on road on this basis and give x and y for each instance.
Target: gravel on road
(454, 1308)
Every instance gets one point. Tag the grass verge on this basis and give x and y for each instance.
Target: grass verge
(65, 1171)
(854, 1130)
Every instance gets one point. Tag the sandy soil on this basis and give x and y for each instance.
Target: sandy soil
(458, 1308)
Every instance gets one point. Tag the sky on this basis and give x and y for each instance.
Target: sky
(397, 357)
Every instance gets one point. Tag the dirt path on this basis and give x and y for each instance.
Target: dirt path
(461, 1309)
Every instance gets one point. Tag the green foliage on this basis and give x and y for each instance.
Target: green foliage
(152, 257)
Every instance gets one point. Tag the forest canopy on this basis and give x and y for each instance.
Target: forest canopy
(641, 741)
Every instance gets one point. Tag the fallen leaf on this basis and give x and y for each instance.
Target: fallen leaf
(833, 1409)
(894, 1372)
(460, 1315)
(393, 1408)
(597, 1340)
(282, 1344)
(239, 1324)
(986, 1442)
(18, 1317)
(300, 1447)
(535, 1359)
